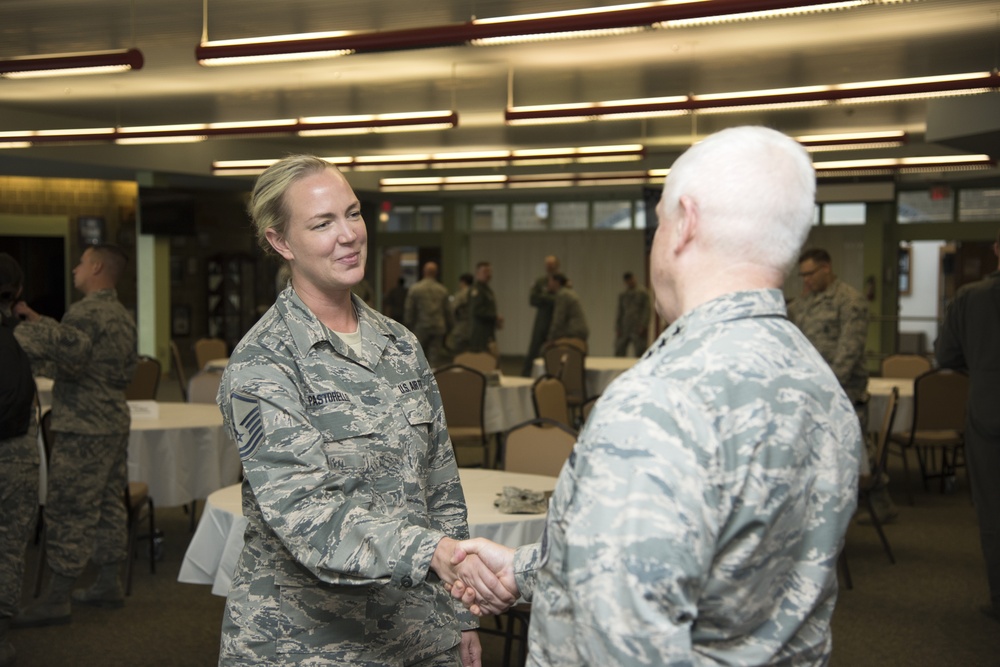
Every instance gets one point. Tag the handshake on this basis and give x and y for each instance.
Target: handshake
(478, 572)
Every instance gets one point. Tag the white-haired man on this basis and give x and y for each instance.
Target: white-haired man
(700, 516)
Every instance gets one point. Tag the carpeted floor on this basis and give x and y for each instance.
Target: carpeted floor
(923, 611)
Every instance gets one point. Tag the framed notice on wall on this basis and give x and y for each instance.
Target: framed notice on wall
(92, 230)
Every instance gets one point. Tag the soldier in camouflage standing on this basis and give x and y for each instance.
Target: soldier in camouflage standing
(701, 513)
(568, 319)
(428, 315)
(483, 318)
(93, 351)
(350, 485)
(458, 337)
(834, 317)
(632, 319)
(543, 301)
(19, 458)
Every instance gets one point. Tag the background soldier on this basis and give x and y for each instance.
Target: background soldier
(19, 458)
(94, 351)
(458, 337)
(632, 319)
(543, 301)
(428, 316)
(568, 320)
(700, 515)
(483, 318)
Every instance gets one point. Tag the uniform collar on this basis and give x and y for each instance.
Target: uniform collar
(307, 331)
(733, 306)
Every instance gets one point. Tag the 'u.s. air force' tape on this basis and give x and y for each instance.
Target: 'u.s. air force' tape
(248, 423)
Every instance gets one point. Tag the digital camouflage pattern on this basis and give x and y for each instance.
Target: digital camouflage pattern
(699, 519)
(428, 316)
(632, 320)
(93, 353)
(19, 462)
(91, 356)
(482, 316)
(350, 483)
(568, 320)
(458, 337)
(836, 322)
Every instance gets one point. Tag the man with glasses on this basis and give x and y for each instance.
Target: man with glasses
(834, 317)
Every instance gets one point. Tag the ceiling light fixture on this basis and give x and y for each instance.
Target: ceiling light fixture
(455, 160)
(72, 64)
(615, 19)
(312, 126)
(815, 143)
(970, 83)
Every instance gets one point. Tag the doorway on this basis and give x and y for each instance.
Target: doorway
(43, 260)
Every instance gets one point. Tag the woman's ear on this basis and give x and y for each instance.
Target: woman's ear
(279, 244)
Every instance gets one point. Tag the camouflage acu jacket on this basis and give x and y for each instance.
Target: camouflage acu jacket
(699, 518)
(350, 484)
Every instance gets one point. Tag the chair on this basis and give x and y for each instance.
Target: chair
(538, 446)
(868, 483)
(567, 362)
(578, 343)
(939, 398)
(549, 396)
(463, 394)
(203, 387)
(146, 380)
(206, 349)
(905, 365)
(48, 439)
(484, 362)
(586, 409)
(175, 353)
(136, 498)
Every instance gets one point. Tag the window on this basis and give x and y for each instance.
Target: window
(844, 214)
(429, 219)
(613, 215)
(570, 215)
(489, 217)
(979, 204)
(920, 206)
(529, 216)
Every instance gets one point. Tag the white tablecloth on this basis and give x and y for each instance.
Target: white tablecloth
(878, 390)
(508, 404)
(216, 545)
(600, 371)
(183, 455)
(44, 386)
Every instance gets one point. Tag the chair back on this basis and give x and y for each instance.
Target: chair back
(206, 349)
(175, 353)
(48, 436)
(463, 394)
(905, 365)
(567, 362)
(484, 362)
(549, 396)
(578, 343)
(203, 387)
(538, 446)
(145, 381)
(939, 399)
(882, 445)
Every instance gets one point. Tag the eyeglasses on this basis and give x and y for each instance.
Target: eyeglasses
(809, 274)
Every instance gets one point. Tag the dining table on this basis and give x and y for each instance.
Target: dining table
(216, 545)
(508, 402)
(599, 371)
(181, 450)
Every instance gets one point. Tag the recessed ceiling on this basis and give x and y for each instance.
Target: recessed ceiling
(901, 40)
